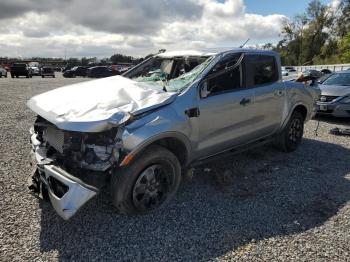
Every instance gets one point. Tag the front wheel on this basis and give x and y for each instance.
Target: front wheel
(148, 183)
(291, 136)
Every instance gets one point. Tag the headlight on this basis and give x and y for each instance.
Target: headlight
(345, 100)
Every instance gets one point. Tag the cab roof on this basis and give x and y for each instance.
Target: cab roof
(210, 52)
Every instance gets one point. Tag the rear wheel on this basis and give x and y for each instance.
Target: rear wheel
(292, 134)
(148, 183)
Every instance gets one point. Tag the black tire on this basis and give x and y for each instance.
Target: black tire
(6, 75)
(148, 183)
(291, 136)
(1, 75)
(12, 76)
(42, 76)
(17, 76)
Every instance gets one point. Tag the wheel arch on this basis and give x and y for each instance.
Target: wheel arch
(175, 142)
(301, 109)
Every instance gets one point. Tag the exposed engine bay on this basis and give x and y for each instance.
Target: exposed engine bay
(71, 167)
(91, 151)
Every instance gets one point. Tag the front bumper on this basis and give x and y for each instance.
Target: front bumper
(335, 109)
(66, 192)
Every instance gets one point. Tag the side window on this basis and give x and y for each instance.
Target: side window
(261, 69)
(225, 77)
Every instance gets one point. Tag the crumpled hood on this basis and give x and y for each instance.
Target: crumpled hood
(333, 90)
(98, 105)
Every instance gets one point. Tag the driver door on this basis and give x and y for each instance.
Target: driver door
(226, 118)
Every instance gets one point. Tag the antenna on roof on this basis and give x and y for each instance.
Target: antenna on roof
(245, 43)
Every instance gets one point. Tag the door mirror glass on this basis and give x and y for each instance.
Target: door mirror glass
(204, 91)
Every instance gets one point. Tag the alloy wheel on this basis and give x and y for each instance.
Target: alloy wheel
(153, 187)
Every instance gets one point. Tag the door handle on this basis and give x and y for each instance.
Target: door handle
(192, 112)
(244, 101)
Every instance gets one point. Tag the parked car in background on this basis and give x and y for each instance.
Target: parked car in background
(66, 68)
(335, 95)
(35, 70)
(3, 72)
(290, 68)
(285, 72)
(137, 133)
(101, 71)
(47, 71)
(76, 71)
(317, 74)
(326, 71)
(20, 69)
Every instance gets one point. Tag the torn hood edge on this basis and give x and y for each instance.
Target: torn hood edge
(138, 98)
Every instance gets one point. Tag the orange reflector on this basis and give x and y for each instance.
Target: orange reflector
(127, 160)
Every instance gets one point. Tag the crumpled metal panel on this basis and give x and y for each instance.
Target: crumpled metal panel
(71, 201)
(98, 105)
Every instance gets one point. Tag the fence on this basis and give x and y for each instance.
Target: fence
(333, 68)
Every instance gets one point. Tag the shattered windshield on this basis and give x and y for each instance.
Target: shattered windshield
(181, 82)
(171, 74)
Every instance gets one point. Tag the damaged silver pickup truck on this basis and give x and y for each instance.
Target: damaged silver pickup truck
(137, 133)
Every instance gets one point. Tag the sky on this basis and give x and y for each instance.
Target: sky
(285, 7)
(90, 28)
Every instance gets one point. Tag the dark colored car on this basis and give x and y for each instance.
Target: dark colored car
(66, 68)
(47, 71)
(101, 71)
(326, 71)
(20, 69)
(290, 69)
(75, 71)
(313, 72)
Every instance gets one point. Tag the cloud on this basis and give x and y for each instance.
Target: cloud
(136, 27)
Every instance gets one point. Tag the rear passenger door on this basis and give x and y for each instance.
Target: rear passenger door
(263, 77)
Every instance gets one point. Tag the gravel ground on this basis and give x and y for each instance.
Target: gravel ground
(261, 205)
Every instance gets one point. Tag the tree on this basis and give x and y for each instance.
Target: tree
(345, 49)
(119, 58)
(343, 21)
(307, 38)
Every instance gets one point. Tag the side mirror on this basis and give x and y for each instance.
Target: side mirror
(204, 92)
